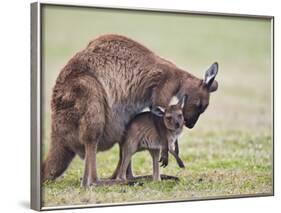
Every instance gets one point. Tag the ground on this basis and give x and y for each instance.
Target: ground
(231, 163)
(227, 153)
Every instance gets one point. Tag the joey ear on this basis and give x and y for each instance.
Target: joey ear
(209, 77)
(158, 111)
(182, 101)
(174, 101)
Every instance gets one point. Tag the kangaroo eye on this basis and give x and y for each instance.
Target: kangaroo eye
(180, 116)
(198, 104)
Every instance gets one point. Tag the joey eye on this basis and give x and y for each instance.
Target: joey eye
(179, 115)
(169, 117)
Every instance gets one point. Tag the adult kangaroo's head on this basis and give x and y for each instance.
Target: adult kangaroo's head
(198, 93)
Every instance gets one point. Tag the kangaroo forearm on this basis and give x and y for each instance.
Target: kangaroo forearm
(163, 94)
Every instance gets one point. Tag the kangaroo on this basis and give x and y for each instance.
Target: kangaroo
(143, 133)
(102, 88)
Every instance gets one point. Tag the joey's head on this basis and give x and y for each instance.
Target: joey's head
(198, 93)
(173, 114)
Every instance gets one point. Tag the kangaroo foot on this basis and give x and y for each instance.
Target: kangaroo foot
(149, 177)
(88, 183)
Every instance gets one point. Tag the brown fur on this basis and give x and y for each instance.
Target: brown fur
(101, 89)
(145, 133)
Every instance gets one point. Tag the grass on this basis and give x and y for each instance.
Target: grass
(228, 152)
(216, 165)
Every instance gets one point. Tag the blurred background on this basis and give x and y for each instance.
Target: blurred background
(229, 151)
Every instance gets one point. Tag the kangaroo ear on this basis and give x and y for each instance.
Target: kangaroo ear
(159, 111)
(209, 78)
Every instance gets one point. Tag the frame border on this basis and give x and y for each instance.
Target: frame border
(35, 193)
(36, 104)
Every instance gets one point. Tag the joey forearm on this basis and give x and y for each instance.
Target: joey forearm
(162, 96)
(176, 147)
(164, 151)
